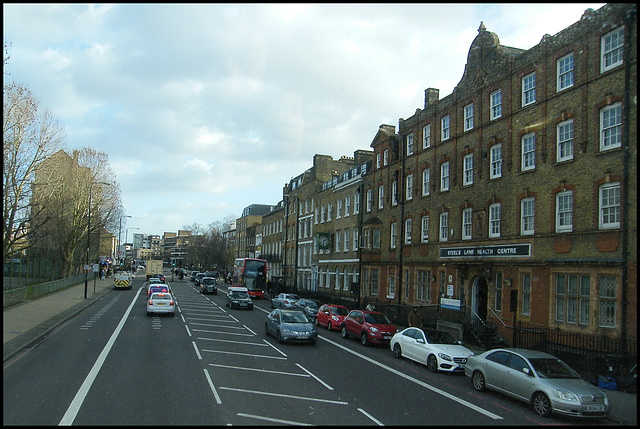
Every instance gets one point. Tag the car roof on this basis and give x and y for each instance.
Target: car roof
(161, 295)
(238, 289)
(529, 354)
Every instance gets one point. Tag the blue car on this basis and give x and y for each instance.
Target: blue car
(290, 325)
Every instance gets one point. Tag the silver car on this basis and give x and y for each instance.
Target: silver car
(539, 379)
(290, 325)
(161, 303)
(309, 307)
(285, 300)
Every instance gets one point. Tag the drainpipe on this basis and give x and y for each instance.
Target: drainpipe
(402, 228)
(629, 18)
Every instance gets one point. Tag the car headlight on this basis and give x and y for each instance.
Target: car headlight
(567, 396)
(445, 357)
(374, 329)
(335, 318)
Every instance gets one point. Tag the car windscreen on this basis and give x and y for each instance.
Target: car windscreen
(312, 304)
(340, 311)
(209, 281)
(376, 318)
(552, 368)
(440, 337)
(293, 297)
(297, 317)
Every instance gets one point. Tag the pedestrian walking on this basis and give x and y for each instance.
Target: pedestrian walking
(102, 274)
(415, 320)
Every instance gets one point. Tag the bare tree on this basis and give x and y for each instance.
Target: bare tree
(30, 135)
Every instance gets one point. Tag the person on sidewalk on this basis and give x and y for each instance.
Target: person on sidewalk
(415, 320)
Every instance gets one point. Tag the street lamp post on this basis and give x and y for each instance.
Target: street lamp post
(125, 242)
(86, 263)
(120, 236)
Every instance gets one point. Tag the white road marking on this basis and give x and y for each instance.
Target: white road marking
(312, 375)
(213, 389)
(260, 370)
(243, 354)
(272, 420)
(197, 351)
(72, 411)
(275, 348)
(376, 421)
(232, 341)
(285, 396)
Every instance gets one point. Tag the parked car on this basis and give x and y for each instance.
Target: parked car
(370, 326)
(157, 287)
(290, 325)
(284, 300)
(208, 285)
(439, 350)
(309, 307)
(161, 303)
(331, 316)
(193, 275)
(539, 379)
(238, 297)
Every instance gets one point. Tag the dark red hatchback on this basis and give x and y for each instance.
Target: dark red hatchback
(370, 326)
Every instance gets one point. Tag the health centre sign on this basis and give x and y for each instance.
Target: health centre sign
(499, 251)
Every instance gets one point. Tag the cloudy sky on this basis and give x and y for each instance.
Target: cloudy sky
(206, 109)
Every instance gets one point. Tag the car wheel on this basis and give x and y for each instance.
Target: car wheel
(345, 333)
(363, 339)
(279, 337)
(397, 351)
(432, 363)
(541, 404)
(477, 380)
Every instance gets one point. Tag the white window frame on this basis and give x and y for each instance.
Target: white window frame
(394, 193)
(355, 239)
(407, 230)
(528, 146)
(369, 199)
(445, 127)
(410, 144)
(409, 187)
(444, 176)
(611, 48)
(564, 211)
(564, 146)
(496, 161)
(564, 70)
(356, 203)
(529, 89)
(322, 218)
(339, 208)
(329, 210)
(611, 126)
(444, 226)
(467, 168)
(426, 182)
(609, 206)
(346, 240)
(426, 136)
(338, 237)
(378, 159)
(467, 225)
(385, 159)
(494, 220)
(468, 117)
(424, 230)
(393, 235)
(381, 197)
(496, 104)
(527, 216)
(347, 205)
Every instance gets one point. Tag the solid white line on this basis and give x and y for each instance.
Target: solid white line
(215, 326)
(213, 389)
(376, 421)
(72, 411)
(247, 328)
(285, 396)
(197, 351)
(243, 354)
(275, 348)
(231, 341)
(260, 370)
(222, 332)
(421, 383)
(312, 375)
(272, 420)
(188, 331)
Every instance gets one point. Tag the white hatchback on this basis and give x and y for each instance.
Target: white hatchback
(161, 303)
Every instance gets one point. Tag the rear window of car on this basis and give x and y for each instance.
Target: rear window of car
(160, 296)
(159, 289)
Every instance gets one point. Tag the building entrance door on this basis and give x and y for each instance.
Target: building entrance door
(479, 298)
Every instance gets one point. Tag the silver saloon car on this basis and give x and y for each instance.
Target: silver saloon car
(285, 300)
(539, 379)
(290, 325)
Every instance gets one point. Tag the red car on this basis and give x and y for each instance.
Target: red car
(370, 326)
(331, 316)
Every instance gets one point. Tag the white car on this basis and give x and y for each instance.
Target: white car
(161, 303)
(437, 349)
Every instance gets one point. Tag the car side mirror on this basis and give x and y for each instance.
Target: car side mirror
(526, 371)
(420, 340)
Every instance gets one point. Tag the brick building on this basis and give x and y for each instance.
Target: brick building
(521, 183)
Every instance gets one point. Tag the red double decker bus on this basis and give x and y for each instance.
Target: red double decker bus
(252, 274)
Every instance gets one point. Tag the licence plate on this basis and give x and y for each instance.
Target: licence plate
(243, 304)
(595, 407)
(301, 337)
(161, 303)
(387, 337)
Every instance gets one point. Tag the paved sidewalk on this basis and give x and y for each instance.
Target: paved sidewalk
(28, 323)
